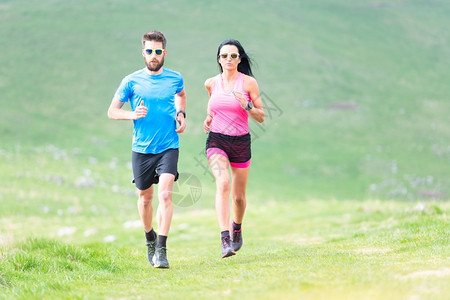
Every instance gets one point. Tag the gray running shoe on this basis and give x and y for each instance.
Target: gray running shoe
(236, 241)
(227, 250)
(151, 250)
(160, 258)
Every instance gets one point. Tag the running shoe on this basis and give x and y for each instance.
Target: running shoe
(227, 250)
(160, 258)
(151, 250)
(236, 241)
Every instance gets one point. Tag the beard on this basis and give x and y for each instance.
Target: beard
(155, 68)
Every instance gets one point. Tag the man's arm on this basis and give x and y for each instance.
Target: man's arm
(116, 112)
(180, 104)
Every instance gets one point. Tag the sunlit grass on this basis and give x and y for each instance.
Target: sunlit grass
(353, 248)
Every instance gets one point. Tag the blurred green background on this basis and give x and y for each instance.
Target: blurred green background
(350, 180)
(356, 96)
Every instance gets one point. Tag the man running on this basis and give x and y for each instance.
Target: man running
(158, 100)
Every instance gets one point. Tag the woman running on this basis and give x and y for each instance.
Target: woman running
(234, 95)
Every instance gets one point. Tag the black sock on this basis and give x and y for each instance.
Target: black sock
(236, 226)
(162, 239)
(151, 235)
(225, 233)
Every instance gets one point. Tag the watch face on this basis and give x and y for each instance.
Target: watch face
(249, 105)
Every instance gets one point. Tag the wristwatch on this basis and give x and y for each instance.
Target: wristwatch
(249, 106)
(181, 112)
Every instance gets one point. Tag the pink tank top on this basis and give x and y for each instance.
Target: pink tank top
(229, 117)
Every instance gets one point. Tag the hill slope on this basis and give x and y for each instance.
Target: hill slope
(356, 93)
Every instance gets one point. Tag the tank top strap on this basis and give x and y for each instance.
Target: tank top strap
(239, 85)
(217, 84)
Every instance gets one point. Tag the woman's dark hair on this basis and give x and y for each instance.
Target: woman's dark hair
(245, 64)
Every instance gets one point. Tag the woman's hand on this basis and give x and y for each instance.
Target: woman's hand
(240, 98)
(207, 123)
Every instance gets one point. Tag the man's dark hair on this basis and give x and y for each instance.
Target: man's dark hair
(154, 35)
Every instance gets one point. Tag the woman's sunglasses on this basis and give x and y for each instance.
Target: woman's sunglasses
(157, 51)
(232, 55)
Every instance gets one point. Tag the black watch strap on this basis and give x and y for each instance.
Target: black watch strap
(181, 112)
(249, 106)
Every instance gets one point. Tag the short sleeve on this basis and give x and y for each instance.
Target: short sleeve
(180, 86)
(124, 92)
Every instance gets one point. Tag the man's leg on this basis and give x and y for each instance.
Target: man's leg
(164, 218)
(145, 207)
(165, 207)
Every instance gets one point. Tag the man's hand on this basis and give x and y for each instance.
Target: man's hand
(182, 122)
(140, 111)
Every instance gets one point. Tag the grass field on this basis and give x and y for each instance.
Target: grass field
(350, 181)
(312, 249)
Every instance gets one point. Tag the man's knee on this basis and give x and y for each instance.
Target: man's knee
(165, 196)
(146, 197)
(166, 181)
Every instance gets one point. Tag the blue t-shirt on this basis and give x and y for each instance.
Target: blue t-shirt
(156, 132)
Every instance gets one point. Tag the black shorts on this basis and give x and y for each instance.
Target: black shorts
(148, 167)
(236, 148)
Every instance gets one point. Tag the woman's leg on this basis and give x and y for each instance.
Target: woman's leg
(219, 167)
(239, 178)
(239, 184)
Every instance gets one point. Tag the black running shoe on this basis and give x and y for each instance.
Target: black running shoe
(236, 241)
(227, 250)
(160, 258)
(151, 250)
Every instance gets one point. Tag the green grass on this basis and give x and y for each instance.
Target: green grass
(62, 62)
(313, 249)
(343, 203)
